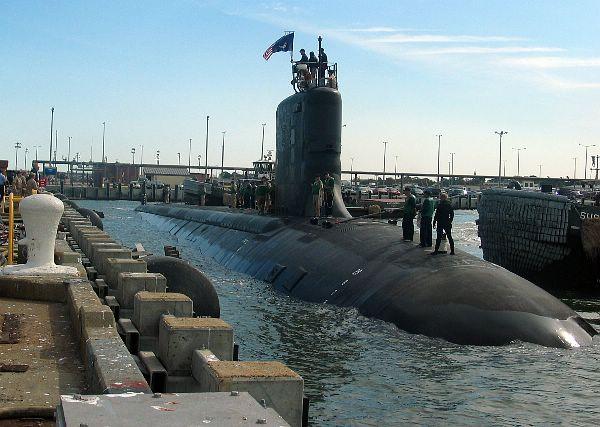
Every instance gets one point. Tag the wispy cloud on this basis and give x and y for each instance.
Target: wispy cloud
(481, 50)
(437, 38)
(474, 52)
(550, 62)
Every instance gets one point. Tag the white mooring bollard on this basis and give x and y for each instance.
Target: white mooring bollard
(41, 214)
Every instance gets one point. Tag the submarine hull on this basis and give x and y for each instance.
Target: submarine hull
(364, 264)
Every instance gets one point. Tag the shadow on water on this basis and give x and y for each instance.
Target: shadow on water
(361, 371)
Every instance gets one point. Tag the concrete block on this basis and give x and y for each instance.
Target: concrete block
(157, 374)
(111, 369)
(79, 293)
(66, 257)
(149, 306)
(114, 306)
(129, 284)
(178, 337)
(94, 246)
(114, 266)
(280, 387)
(101, 255)
(85, 245)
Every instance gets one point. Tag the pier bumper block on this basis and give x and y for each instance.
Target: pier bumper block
(281, 388)
(149, 306)
(178, 337)
(114, 266)
(129, 284)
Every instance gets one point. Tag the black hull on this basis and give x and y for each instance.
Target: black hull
(364, 264)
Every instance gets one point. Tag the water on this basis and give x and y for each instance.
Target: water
(361, 371)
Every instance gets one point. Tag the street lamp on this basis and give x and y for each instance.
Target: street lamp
(501, 134)
(262, 145)
(438, 158)
(540, 166)
(133, 155)
(103, 133)
(206, 151)
(519, 159)
(51, 126)
(575, 168)
(69, 153)
(190, 157)
(17, 146)
(179, 158)
(223, 152)
(385, 143)
(586, 158)
(452, 162)
(158, 157)
(36, 151)
(351, 167)
(199, 157)
(25, 163)
(395, 168)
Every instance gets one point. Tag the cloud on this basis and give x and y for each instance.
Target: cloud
(550, 62)
(482, 50)
(436, 38)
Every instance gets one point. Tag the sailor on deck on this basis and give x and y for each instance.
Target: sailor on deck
(317, 194)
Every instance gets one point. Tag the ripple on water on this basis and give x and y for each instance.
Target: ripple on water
(361, 371)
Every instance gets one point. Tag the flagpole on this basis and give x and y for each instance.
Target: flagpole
(285, 33)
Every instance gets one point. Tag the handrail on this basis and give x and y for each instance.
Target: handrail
(11, 228)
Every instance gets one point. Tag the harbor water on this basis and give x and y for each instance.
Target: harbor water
(361, 371)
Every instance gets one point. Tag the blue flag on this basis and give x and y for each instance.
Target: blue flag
(284, 44)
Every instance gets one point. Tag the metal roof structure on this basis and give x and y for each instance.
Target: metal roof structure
(165, 170)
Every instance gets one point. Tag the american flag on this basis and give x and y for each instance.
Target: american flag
(284, 44)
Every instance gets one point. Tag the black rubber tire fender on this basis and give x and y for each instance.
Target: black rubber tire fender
(183, 277)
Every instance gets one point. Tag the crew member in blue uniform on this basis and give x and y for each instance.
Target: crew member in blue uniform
(427, 209)
(444, 215)
(410, 209)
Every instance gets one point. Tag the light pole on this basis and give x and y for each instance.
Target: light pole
(179, 158)
(190, 157)
(133, 155)
(351, 168)
(69, 153)
(142, 155)
(17, 146)
(586, 158)
(158, 157)
(25, 163)
(103, 133)
(504, 167)
(223, 152)
(438, 158)
(385, 143)
(501, 134)
(395, 169)
(199, 157)
(575, 168)
(540, 166)
(262, 145)
(452, 169)
(206, 152)
(51, 126)
(518, 149)
(36, 151)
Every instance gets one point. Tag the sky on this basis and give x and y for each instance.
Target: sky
(408, 71)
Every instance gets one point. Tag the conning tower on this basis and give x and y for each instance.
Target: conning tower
(309, 130)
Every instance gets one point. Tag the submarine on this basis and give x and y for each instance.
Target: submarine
(362, 262)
